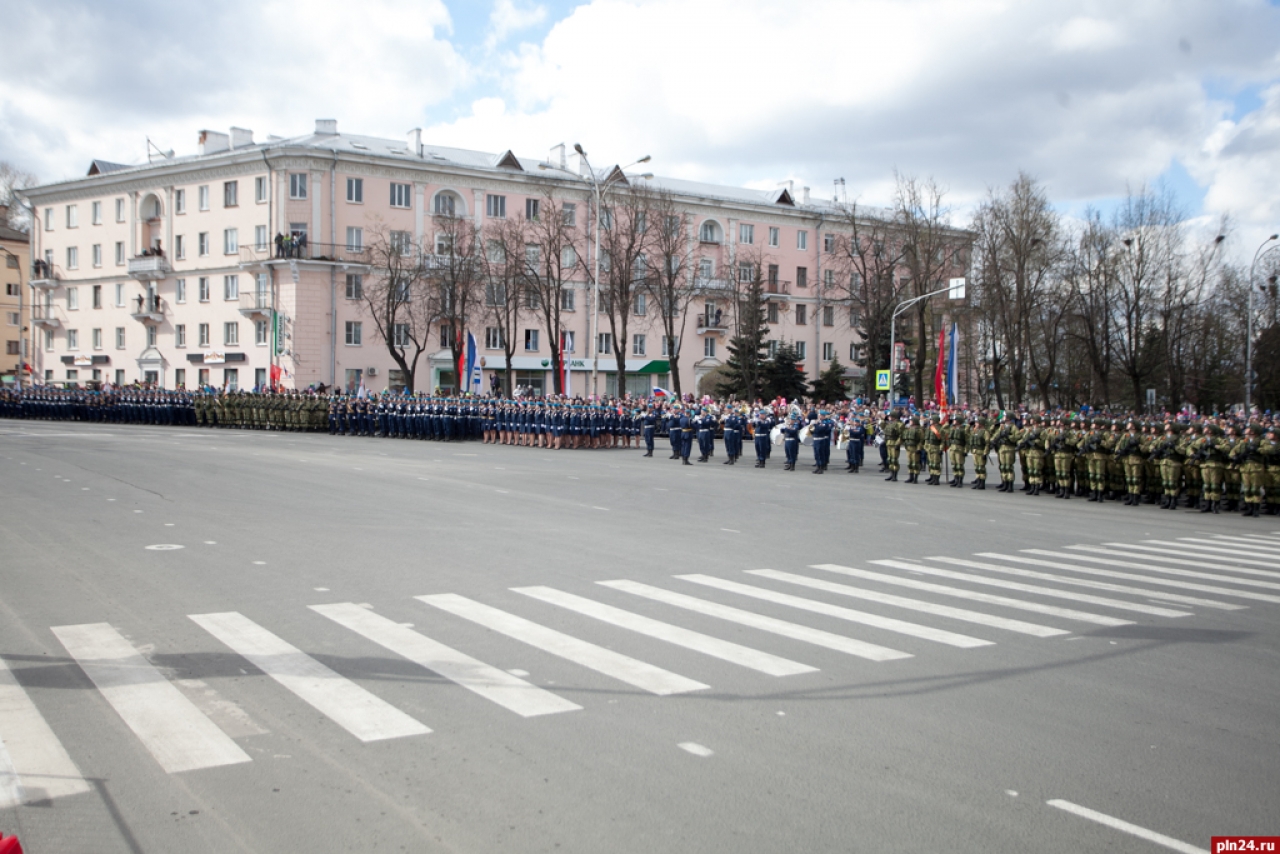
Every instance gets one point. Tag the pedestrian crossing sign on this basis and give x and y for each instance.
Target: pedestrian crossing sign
(882, 380)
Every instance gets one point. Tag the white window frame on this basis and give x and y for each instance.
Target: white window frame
(355, 286)
(746, 233)
(73, 339)
(531, 208)
(261, 240)
(567, 297)
(202, 289)
(119, 253)
(202, 333)
(95, 212)
(604, 342)
(231, 241)
(202, 244)
(828, 351)
(202, 197)
(73, 257)
(73, 216)
(298, 185)
(260, 189)
(180, 291)
(801, 349)
(355, 190)
(353, 333)
(492, 338)
(48, 219)
(640, 305)
(96, 338)
(180, 335)
(531, 340)
(773, 235)
(231, 287)
(231, 333)
(355, 239)
(179, 247)
(231, 194)
(569, 214)
(495, 206)
(802, 240)
(260, 333)
(120, 210)
(401, 195)
(96, 254)
(179, 202)
(638, 344)
(709, 347)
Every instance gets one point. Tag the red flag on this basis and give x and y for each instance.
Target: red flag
(940, 374)
(462, 362)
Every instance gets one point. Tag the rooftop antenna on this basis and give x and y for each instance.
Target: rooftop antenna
(153, 151)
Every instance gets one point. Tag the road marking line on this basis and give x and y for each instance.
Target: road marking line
(33, 763)
(1106, 573)
(1118, 550)
(597, 658)
(840, 612)
(489, 682)
(763, 662)
(1126, 827)
(1182, 573)
(1244, 549)
(169, 725)
(913, 604)
(358, 711)
(817, 637)
(695, 748)
(1220, 555)
(1257, 542)
(1105, 601)
(989, 598)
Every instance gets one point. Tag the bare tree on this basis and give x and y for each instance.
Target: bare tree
(400, 299)
(626, 239)
(928, 245)
(12, 182)
(456, 280)
(551, 256)
(670, 280)
(502, 264)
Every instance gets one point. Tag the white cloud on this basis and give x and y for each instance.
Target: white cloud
(1088, 34)
(507, 18)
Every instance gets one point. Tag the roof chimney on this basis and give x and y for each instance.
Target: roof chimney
(211, 142)
(326, 127)
(806, 195)
(241, 138)
(415, 142)
(556, 157)
(578, 164)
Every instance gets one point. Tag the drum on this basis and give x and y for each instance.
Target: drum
(806, 435)
(775, 435)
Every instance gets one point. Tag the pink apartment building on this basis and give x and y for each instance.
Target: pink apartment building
(169, 272)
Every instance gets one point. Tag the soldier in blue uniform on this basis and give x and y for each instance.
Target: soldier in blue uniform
(791, 441)
(821, 431)
(649, 425)
(704, 423)
(853, 452)
(762, 423)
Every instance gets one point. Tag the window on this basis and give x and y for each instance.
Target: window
(709, 348)
(13, 318)
(179, 247)
(568, 258)
(400, 335)
(230, 241)
(180, 335)
(73, 299)
(446, 335)
(73, 217)
(828, 279)
(119, 210)
(73, 257)
(231, 333)
(119, 253)
(566, 299)
(444, 244)
(773, 236)
(829, 244)
(151, 336)
(401, 195)
(297, 185)
(495, 293)
(773, 274)
(231, 378)
(446, 204)
(72, 374)
(771, 349)
(532, 299)
(569, 214)
(230, 194)
(638, 308)
(355, 286)
(800, 349)
(119, 337)
(12, 348)
(802, 240)
(530, 208)
(355, 239)
(828, 351)
(96, 254)
(260, 238)
(802, 314)
(746, 233)
(260, 189)
(401, 242)
(73, 339)
(771, 312)
(637, 345)
(48, 219)
(604, 342)
(530, 340)
(492, 338)
(179, 201)
(260, 333)
(496, 206)
(854, 353)
(119, 294)
(202, 197)
(355, 190)
(354, 333)
(706, 269)
(97, 339)
(48, 341)
(854, 317)
(746, 271)
(202, 376)
(569, 339)
(97, 296)
(202, 289)
(202, 244)
(180, 377)
(95, 212)
(670, 346)
(802, 277)
(231, 287)
(203, 332)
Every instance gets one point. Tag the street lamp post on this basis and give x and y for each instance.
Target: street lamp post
(1248, 344)
(893, 334)
(597, 189)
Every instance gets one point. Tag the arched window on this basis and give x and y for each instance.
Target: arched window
(448, 203)
(710, 232)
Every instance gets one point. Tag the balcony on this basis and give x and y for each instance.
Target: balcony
(712, 322)
(45, 276)
(256, 304)
(706, 283)
(148, 309)
(777, 289)
(46, 316)
(149, 268)
(325, 253)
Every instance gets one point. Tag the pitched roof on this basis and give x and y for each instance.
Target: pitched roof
(99, 167)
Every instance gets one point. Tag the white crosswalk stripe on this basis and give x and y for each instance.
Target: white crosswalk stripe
(1159, 556)
(1220, 555)
(34, 766)
(1033, 588)
(353, 708)
(912, 604)
(1102, 585)
(1105, 585)
(725, 650)
(498, 686)
(1180, 573)
(169, 725)
(972, 595)
(795, 631)
(1267, 545)
(1245, 549)
(862, 617)
(613, 664)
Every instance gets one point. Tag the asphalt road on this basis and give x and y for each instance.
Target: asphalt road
(133, 721)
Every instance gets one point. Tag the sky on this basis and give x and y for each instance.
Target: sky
(1091, 98)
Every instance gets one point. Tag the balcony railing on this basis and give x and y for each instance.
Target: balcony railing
(149, 267)
(712, 322)
(710, 283)
(777, 288)
(255, 303)
(333, 253)
(149, 308)
(44, 275)
(46, 316)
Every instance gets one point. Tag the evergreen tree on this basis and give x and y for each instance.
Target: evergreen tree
(831, 385)
(745, 368)
(783, 376)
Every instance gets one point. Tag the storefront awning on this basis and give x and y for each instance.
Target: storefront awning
(656, 366)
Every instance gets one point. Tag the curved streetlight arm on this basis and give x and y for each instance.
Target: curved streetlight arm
(893, 333)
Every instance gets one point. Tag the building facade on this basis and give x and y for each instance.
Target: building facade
(15, 305)
(173, 273)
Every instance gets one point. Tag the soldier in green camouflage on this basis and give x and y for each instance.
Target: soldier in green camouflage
(979, 447)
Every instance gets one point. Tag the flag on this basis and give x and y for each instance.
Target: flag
(938, 391)
(462, 365)
(953, 388)
(660, 392)
(564, 373)
(473, 381)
